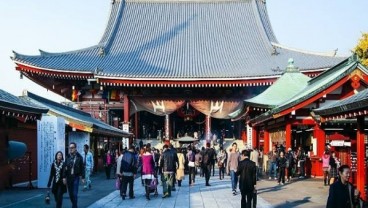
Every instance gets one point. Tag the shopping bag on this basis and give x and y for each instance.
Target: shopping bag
(117, 183)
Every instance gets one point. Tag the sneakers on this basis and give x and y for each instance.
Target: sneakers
(165, 195)
(269, 178)
(234, 192)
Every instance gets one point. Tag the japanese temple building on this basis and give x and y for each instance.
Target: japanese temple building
(313, 114)
(190, 62)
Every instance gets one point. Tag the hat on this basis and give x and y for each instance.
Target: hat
(289, 149)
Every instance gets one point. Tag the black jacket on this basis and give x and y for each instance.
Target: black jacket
(169, 161)
(247, 172)
(129, 162)
(338, 196)
(78, 166)
(52, 179)
(281, 162)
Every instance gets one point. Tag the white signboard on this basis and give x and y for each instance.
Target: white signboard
(249, 137)
(50, 139)
(125, 142)
(337, 143)
(80, 139)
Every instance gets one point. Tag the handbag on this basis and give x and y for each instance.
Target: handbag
(117, 183)
(191, 164)
(220, 164)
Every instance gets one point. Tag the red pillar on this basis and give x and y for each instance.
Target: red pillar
(288, 135)
(208, 127)
(126, 109)
(360, 157)
(255, 140)
(266, 137)
(320, 135)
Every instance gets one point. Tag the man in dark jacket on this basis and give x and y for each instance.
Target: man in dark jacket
(207, 161)
(73, 172)
(126, 170)
(342, 193)
(247, 181)
(168, 163)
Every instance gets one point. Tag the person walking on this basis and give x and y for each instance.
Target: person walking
(325, 167)
(116, 156)
(73, 171)
(254, 156)
(213, 161)
(272, 158)
(148, 170)
(206, 162)
(221, 157)
(334, 164)
(290, 162)
(191, 156)
(281, 163)
(171, 148)
(108, 164)
(198, 162)
(126, 171)
(56, 179)
(300, 156)
(180, 170)
(88, 165)
(247, 180)
(233, 162)
(342, 194)
(169, 163)
(203, 150)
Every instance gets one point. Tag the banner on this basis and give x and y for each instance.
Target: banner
(50, 139)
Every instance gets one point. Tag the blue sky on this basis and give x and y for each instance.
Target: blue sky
(57, 26)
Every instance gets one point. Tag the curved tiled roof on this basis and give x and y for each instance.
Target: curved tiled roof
(183, 40)
(14, 104)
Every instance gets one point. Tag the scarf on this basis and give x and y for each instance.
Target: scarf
(57, 170)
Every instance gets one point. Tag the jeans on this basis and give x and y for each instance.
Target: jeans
(234, 180)
(167, 183)
(125, 180)
(73, 184)
(222, 172)
(87, 178)
(273, 167)
(191, 175)
(246, 200)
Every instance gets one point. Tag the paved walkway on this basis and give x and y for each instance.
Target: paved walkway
(199, 196)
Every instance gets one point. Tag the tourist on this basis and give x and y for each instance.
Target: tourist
(334, 165)
(171, 148)
(168, 164)
(198, 162)
(203, 150)
(254, 156)
(180, 170)
(206, 162)
(126, 170)
(116, 157)
(300, 156)
(88, 164)
(191, 156)
(73, 171)
(108, 163)
(342, 194)
(281, 163)
(56, 178)
(290, 163)
(325, 167)
(272, 158)
(221, 157)
(247, 181)
(148, 170)
(213, 161)
(233, 162)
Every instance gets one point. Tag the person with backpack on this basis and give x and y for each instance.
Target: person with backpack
(169, 164)
(207, 162)
(126, 170)
(232, 167)
(221, 157)
(191, 164)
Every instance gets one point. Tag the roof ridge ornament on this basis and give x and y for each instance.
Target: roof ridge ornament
(274, 51)
(101, 51)
(291, 67)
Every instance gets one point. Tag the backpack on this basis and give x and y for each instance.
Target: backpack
(126, 166)
(206, 158)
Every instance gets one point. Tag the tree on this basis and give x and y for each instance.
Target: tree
(362, 49)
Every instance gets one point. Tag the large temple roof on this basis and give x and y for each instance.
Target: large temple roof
(183, 40)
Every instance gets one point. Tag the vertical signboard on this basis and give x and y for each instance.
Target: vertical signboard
(50, 139)
(249, 137)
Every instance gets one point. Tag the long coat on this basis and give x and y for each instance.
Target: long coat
(247, 172)
(180, 170)
(52, 179)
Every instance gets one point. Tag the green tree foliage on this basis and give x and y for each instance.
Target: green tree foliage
(362, 49)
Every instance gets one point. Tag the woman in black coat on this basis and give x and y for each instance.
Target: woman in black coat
(56, 177)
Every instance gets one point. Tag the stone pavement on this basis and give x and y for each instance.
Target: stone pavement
(198, 196)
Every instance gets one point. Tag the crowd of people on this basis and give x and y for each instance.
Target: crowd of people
(170, 165)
